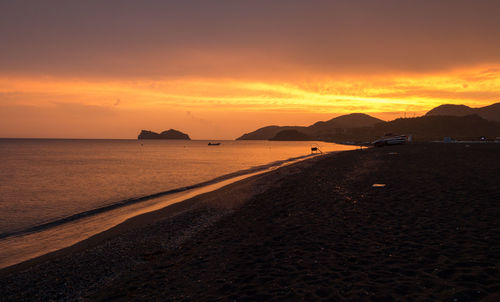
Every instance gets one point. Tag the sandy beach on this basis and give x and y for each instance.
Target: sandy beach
(315, 230)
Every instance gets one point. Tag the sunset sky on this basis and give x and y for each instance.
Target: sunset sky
(218, 69)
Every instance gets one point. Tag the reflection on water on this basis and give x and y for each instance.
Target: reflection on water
(47, 180)
(21, 248)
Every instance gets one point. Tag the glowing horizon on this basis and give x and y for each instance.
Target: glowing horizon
(61, 76)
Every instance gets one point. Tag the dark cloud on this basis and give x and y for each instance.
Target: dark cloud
(236, 38)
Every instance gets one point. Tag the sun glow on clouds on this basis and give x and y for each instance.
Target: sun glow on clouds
(336, 95)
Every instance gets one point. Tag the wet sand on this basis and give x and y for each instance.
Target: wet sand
(315, 230)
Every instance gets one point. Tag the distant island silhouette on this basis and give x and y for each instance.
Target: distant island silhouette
(457, 121)
(168, 134)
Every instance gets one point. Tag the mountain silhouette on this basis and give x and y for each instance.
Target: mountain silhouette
(429, 128)
(491, 112)
(353, 120)
(291, 135)
(457, 121)
(422, 129)
(268, 132)
(317, 130)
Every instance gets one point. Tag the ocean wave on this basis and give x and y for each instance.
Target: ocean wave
(134, 200)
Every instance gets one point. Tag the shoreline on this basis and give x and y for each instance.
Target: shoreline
(314, 230)
(61, 230)
(193, 201)
(134, 200)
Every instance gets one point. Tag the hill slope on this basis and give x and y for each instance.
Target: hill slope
(491, 112)
(353, 120)
(291, 135)
(427, 128)
(318, 130)
(268, 132)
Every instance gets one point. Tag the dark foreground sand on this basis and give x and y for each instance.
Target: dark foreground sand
(317, 230)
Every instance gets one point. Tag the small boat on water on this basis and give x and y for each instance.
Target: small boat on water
(213, 144)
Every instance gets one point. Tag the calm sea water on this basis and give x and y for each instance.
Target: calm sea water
(42, 181)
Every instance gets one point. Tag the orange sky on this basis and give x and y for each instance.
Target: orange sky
(108, 70)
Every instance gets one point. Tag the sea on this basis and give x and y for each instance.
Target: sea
(55, 192)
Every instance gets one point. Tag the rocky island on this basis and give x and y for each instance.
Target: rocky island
(168, 134)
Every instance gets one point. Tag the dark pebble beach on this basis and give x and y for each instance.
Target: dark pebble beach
(318, 230)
